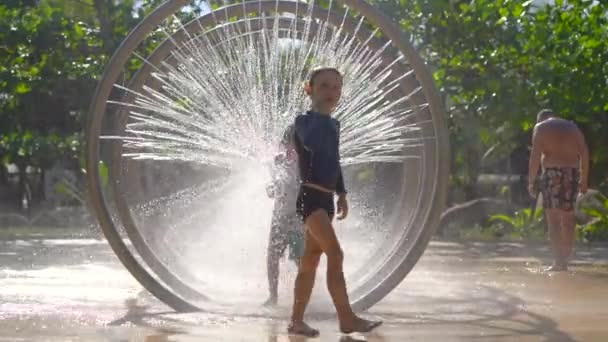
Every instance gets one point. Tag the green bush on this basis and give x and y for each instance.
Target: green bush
(522, 225)
(597, 230)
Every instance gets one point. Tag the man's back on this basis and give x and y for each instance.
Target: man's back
(560, 143)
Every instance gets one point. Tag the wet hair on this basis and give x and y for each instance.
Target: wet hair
(315, 72)
(544, 114)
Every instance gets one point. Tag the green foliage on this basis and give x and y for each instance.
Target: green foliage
(524, 223)
(498, 62)
(70, 189)
(597, 230)
(78, 192)
(34, 149)
(481, 233)
(51, 56)
(47, 64)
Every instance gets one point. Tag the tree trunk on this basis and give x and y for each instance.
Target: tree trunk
(473, 166)
(41, 187)
(22, 193)
(3, 174)
(103, 9)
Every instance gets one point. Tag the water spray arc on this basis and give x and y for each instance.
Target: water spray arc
(232, 76)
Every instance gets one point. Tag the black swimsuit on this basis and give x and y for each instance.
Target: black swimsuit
(317, 141)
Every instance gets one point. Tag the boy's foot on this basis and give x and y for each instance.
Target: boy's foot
(301, 328)
(270, 302)
(360, 325)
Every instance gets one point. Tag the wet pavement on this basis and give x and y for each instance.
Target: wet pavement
(75, 290)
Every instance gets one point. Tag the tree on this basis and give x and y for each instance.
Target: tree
(52, 53)
(568, 70)
(46, 62)
(497, 63)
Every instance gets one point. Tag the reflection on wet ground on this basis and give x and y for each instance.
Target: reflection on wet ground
(75, 290)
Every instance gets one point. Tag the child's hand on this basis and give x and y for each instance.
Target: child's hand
(342, 207)
(280, 158)
(271, 190)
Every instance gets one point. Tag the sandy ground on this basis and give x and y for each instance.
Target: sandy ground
(75, 290)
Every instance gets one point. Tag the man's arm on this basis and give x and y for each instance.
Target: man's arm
(583, 152)
(534, 163)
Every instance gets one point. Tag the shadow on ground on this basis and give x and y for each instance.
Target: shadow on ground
(489, 314)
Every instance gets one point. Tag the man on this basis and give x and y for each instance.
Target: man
(559, 147)
(286, 229)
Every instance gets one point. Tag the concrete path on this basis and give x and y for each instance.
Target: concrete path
(75, 290)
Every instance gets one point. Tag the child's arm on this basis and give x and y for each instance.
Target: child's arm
(342, 204)
(275, 175)
(281, 161)
(340, 188)
(300, 128)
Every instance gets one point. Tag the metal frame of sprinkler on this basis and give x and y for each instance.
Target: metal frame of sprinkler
(161, 281)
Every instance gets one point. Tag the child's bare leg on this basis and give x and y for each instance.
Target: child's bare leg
(272, 268)
(276, 247)
(321, 229)
(303, 287)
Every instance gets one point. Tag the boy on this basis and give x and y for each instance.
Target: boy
(285, 228)
(316, 139)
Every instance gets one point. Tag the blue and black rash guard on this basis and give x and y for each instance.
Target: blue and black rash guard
(317, 143)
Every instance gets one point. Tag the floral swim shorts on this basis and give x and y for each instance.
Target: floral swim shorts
(559, 186)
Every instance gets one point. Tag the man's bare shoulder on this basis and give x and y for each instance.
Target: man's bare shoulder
(539, 128)
(554, 124)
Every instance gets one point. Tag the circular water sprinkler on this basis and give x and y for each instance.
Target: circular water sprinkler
(187, 117)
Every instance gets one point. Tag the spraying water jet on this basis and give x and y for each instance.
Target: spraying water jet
(189, 133)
